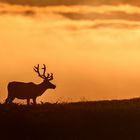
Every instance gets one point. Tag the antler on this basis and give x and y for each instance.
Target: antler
(44, 68)
(51, 77)
(36, 69)
(48, 77)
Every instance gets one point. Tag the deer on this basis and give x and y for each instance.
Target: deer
(30, 90)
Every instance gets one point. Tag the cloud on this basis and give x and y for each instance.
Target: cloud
(116, 25)
(104, 16)
(81, 17)
(104, 25)
(26, 13)
(71, 2)
(129, 13)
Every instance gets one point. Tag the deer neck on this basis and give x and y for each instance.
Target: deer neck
(42, 88)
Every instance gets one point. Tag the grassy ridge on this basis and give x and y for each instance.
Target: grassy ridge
(115, 120)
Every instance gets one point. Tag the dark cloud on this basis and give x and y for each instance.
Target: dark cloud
(104, 16)
(71, 2)
(116, 25)
(104, 25)
(26, 12)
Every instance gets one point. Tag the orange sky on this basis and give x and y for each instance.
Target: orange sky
(95, 58)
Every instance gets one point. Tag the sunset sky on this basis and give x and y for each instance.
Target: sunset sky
(93, 48)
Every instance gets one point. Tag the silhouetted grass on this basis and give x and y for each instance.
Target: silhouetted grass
(114, 120)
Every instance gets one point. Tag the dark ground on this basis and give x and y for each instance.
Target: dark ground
(102, 120)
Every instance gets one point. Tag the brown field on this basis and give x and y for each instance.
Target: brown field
(114, 120)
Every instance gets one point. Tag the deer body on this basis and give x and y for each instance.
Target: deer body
(30, 90)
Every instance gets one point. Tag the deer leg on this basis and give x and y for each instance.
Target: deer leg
(7, 100)
(34, 101)
(28, 101)
(11, 99)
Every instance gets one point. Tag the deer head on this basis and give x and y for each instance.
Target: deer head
(46, 79)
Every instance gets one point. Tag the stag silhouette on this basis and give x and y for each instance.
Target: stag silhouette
(30, 90)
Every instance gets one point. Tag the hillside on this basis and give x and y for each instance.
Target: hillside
(114, 120)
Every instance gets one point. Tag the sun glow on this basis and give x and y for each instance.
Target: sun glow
(95, 58)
